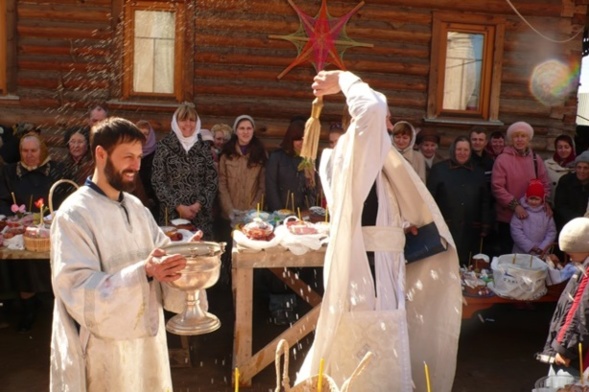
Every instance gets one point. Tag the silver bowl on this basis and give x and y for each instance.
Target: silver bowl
(203, 266)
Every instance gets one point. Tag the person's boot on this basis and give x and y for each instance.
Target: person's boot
(28, 314)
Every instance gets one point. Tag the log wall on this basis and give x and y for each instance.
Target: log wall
(67, 54)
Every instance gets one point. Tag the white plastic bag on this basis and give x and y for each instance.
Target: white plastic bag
(519, 276)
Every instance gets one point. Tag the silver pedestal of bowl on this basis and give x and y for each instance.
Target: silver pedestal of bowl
(203, 266)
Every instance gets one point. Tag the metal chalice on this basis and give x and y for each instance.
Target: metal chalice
(203, 266)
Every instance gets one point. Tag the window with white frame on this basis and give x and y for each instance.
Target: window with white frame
(154, 49)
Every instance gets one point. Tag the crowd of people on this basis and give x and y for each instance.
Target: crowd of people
(209, 177)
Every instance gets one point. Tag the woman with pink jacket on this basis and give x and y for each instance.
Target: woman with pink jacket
(512, 172)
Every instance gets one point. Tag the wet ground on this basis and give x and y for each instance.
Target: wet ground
(495, 354)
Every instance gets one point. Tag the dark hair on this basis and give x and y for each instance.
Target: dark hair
(98, 105)
(565, 138)
(84, 131)
(112, 132)
(336, 127)
(295, 131)
(478, 129)
(497, 135)
(452, 149)
(256, 150)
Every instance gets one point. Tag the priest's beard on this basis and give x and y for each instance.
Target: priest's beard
(116, 180)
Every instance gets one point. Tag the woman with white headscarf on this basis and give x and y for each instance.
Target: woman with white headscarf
(184, 175)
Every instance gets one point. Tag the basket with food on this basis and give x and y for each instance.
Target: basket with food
(299, 227)
(258, 230)
(36, 239)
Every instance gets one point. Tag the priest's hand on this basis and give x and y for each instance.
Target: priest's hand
(163, 267)
(326, 83)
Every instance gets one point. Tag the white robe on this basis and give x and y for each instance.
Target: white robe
(97, 257)
(362, 156)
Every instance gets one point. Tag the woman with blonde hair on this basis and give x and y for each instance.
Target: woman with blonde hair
(184, 175)
(404, 138)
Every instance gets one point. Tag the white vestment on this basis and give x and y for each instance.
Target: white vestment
(98, 250)
(432, 310)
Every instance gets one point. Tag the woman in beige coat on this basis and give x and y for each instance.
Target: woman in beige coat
(241, 169)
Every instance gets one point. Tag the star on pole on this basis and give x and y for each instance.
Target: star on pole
(320, 40)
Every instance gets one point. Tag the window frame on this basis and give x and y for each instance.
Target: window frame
(180, 43)
(493, 28)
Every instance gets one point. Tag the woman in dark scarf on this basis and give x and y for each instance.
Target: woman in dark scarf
(148, 196)
(286, 185)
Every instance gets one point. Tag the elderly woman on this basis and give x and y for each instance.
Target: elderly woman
(241, 169)
(460, 189)
(78, 162)
(512, 172)
(561, 163)
(572, 192)
(184, 175)
(221, 135)
(29, 180)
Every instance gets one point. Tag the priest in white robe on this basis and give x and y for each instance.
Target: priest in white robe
(108, 323)
(411, 315)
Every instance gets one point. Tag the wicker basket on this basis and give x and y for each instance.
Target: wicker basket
(310, 384)
(37, 244)
(307, 385)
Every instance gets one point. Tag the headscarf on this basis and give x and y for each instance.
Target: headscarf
(187, 142)
(150, 142)
(571, 158)
(240, 119)
(44, 157)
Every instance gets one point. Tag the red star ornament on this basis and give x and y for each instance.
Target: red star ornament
(320, 40)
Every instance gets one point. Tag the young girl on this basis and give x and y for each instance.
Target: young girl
(535, 233)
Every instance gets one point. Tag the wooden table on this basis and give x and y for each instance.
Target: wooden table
(276, 259)
(179, 357)
(15, 254)
(471, 305)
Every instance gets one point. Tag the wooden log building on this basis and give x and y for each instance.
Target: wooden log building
(58, 57)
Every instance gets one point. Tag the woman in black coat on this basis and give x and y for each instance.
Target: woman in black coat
(461, 192)
(284, 180)
(572, 192)
(25, 182)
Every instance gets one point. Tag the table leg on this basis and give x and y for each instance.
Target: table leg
(242, 335)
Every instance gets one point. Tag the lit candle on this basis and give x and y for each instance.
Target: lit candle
(236, 380)
(429, 388)
(320, 379)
